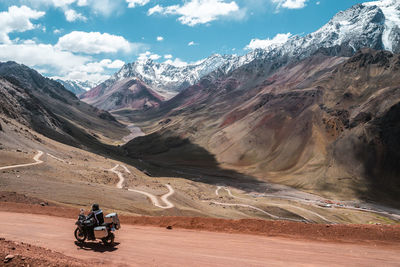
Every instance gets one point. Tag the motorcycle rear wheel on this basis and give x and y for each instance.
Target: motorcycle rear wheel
(109, 240)
(80, 235)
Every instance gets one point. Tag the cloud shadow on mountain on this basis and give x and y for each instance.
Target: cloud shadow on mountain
(172, 156)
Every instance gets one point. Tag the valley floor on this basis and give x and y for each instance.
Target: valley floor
(72, 177)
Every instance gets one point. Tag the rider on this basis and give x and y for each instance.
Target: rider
(96, 218)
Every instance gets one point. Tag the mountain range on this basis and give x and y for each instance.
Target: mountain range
(373, 24)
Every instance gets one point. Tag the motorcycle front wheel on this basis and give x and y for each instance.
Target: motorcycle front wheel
(109, 240)
(80, 235)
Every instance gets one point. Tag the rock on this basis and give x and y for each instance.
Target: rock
(19, 150)
(1, 128)
(43, 204)
(8, 258)
(169, 227)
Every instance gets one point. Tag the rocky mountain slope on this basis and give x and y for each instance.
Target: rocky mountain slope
(128, 93)
(47, 107)
(325, 124)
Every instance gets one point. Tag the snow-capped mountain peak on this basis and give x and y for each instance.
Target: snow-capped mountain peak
(374, 25)
(371, 24)
(168, 79)
(77, 87)
(391, 11)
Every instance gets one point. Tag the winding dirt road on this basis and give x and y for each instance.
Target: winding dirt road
(272, 204)
(36, 158)
(153, 198)
(245, 205)
(150, 246)
(120, 176)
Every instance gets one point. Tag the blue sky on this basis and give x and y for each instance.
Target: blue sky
(91, 39)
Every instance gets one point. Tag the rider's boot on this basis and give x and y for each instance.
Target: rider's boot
(91, 236)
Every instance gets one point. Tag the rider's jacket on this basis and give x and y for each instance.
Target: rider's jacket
(97, 215)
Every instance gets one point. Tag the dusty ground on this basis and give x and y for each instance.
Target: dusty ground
(22, 254)
(379, 234)
(139, 245)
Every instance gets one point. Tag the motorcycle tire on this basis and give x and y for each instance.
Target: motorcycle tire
(80, 235)
(109, 240)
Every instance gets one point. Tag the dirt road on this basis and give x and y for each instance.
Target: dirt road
(153, 198)
(150, 246)
(120, 176)
(278, 205)
(36, 158)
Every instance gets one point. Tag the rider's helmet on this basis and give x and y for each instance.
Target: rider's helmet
(95, 207)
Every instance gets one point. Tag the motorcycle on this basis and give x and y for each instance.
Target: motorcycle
(103, 232)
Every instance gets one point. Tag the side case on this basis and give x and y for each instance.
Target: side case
(100, 232)
(113, 218)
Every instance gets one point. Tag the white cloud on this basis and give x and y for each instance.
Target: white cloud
(100, 7)
(168, 56)
(280, 38)
(83, 76)
(41, 55)
(291, 4)
(105, 7)
(17, 19)
(160, 38)
(134, 3)
(94, 43)
(51, 60)
(48, 3)
(318, 3)
(148, 55)
(57, 31)
(92, 71)
(116, 64)
(192, 43)
(154, 57)
(82, 3)
(72, 15)
(196, 12)
(99, 66)
(154, 10)
(176, 62)
(61, 3)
